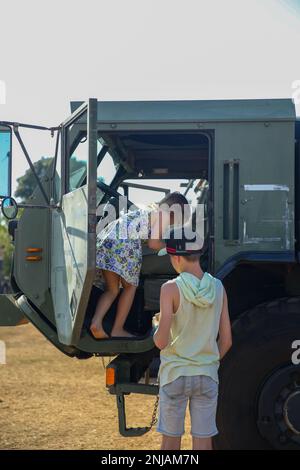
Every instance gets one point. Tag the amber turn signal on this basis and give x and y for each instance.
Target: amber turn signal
(33, 258)
(110, 376)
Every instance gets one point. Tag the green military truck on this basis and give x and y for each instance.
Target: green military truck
(240, 159)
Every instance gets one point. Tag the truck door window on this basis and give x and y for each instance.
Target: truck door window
(77, 145)
(5, 161)
(107, 169)
(78, 164)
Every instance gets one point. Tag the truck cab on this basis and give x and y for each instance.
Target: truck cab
(239, 160)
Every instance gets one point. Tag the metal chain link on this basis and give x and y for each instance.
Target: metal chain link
(154, 414)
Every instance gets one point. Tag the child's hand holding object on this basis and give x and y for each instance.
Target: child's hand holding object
(155, 320)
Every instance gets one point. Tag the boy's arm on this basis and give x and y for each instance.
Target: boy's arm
(225, 337)
(162, 334)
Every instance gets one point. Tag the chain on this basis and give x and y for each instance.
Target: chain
(154, 414)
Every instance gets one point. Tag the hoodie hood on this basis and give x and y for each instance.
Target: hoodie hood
(200, 292)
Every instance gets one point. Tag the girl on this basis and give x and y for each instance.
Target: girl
(119, 256)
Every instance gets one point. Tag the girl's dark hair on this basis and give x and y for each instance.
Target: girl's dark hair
(177, 199)
(174, 198)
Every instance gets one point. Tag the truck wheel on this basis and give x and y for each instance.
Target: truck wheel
(259, 399)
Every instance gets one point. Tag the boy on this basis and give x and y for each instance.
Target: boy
(193, 312)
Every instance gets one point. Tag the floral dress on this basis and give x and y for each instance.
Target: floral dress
(119, 246)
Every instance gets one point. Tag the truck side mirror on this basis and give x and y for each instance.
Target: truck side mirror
(5, 161)
(9, 208)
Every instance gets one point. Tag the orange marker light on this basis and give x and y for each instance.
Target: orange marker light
(34, 258)
(110, 376)
(34, 250)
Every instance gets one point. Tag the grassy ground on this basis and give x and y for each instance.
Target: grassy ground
(50, 401)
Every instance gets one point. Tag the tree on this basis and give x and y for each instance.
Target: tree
(27, 183)
(26, 186)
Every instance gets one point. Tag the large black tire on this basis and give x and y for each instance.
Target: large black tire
(261, 354)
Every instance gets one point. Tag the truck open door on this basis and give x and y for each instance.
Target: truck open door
(73, 238)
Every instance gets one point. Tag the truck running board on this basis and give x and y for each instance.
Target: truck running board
(125, 389)
(123, 375)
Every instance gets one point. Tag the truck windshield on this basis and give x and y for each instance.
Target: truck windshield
(106, 170)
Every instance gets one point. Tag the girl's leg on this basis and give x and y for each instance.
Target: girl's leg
(124, 304)
(112, 282)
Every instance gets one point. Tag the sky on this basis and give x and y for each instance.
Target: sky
(58, 51)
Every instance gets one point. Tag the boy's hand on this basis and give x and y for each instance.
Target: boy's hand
(155, 320)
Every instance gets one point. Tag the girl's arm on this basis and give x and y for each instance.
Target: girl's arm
(155, 242)
(225, 337)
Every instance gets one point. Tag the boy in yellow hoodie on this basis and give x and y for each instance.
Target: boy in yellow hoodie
(193, 313)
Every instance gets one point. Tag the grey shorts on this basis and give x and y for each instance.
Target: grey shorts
(201, 392)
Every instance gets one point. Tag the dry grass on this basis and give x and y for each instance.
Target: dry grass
(50, 401)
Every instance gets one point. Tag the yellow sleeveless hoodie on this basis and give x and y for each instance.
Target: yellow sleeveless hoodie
(193, 348)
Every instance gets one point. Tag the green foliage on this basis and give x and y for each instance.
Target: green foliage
(26, 186)
(27, 183)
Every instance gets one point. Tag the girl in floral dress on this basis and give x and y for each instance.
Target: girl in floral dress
(119, 257)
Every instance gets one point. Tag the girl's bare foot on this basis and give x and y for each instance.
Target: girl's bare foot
(98, 332)
(121, 333)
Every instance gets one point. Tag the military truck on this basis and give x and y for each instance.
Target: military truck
(240, 159)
